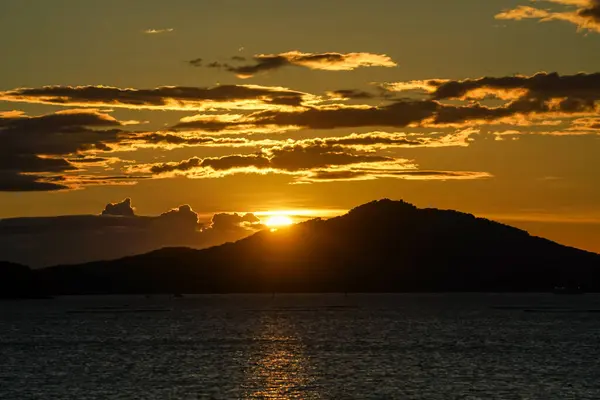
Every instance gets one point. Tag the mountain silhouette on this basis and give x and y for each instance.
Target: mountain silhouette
(19, 281)
(381, 246)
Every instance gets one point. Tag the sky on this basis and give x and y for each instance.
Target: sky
(487, 107)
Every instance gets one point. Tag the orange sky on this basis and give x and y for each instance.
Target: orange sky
(269, 105)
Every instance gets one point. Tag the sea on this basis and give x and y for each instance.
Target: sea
(302, 346)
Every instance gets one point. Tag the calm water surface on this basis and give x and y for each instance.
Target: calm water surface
(302, 347)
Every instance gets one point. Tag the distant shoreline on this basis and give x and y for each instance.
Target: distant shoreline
(187, 295)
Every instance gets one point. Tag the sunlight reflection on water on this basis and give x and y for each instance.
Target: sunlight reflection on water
(278, 367)
(302, 347)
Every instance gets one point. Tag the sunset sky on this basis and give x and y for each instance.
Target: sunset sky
(485, 106)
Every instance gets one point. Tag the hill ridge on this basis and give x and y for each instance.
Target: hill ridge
(383, 245)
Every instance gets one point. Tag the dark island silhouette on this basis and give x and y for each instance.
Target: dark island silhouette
(381, 246)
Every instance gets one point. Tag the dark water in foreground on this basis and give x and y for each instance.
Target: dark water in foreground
(302, 346)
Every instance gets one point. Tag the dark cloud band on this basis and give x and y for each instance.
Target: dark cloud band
(322, 61)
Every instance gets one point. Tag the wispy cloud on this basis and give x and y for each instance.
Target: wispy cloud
(321, 61)
(585, 14)
(358, 174)
(369, 142)
(305, 162)
(157, 31)
(164, 97)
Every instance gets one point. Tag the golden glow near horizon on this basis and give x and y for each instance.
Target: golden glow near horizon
(275, 219)
(278, 221)
(304, 213)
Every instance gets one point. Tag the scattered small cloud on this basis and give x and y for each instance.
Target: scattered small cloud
(158, 31)
(196, 62)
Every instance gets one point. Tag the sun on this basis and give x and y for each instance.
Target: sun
(278, 221)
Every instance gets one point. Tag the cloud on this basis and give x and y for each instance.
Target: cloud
(287, 158)
(526, 98)
(329, 61)
(172, 140)
(397, 114)
(55, 151)
(543, 95)
(344, 94)
(577, 127)
(368, 141)
(585, 14)
(309, 160)
(542, 85)
(123, 209)
(12, 181)
(35, 151)
(586, 124)
(157, 31)
(372, 141)
(84, 160)
(67, 149)
(276, 109)
(183, 218)
(379, 173)
(33, 163)
(59, 133)
(44, 241)
(180, 98)
(224, 222)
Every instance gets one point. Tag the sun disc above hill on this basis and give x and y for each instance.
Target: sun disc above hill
(278, 221)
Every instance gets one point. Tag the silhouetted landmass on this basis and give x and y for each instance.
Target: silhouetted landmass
(18, 281)
(382, 246)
